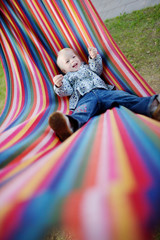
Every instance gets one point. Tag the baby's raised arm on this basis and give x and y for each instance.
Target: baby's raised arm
(95, 61)
(58, 80)
(92, 52)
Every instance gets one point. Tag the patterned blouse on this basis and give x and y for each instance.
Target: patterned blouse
(76, 84)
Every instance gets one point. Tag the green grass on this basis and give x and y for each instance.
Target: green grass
(138, 36)
(2, 88)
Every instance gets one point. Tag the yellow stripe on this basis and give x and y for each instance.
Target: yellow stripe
(28, 190)
(69, 30)
(46, 24)
(123, 211)
(20, 134)
(10, 20)
(80, 25)
(23, 165)
(5, 209)
(51, 63)
(113, 80)
(66, 26)
(121, 155)
(43, 90)
(36, 180)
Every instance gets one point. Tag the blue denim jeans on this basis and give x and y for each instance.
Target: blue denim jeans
(98, 101)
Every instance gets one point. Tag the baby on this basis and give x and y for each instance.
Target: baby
(90, 95)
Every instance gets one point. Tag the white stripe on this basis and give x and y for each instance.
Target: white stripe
(42, 25)
(61, 23)
(42, 54)
(75, 19)
(103, 163)
(38, 91)
(94, 215)
(15, 186)
(39, 146)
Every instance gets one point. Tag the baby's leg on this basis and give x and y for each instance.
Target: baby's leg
(65, 125)
(141, 105)
(88, 106)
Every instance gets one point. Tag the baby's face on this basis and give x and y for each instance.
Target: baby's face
(70, 62)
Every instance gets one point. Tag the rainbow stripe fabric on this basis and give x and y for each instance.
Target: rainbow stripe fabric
(102, 183)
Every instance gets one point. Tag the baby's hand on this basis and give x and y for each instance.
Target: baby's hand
(92, 52)
(58, 80)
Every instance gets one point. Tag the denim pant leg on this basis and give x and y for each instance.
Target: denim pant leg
(99, 100)
(136, 104)
(87, 107)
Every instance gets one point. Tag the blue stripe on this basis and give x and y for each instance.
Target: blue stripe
(147, 148)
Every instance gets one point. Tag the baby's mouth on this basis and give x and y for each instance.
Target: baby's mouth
(75, 65)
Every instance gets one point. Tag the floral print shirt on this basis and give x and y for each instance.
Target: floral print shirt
(76, 84)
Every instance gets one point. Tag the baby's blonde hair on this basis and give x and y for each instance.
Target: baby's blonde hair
(61, 53)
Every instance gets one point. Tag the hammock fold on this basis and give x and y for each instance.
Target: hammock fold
(103, 181)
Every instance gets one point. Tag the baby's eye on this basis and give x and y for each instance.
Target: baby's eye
(67, 61)
(74, 56)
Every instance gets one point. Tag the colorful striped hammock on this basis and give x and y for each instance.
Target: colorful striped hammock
(102, 183)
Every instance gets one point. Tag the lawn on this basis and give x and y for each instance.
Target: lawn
(2, 88)
(138, 36)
